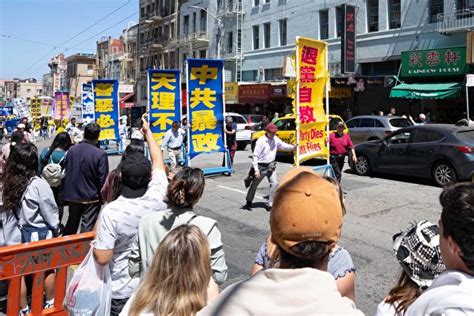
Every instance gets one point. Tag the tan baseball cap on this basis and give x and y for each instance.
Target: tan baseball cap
(305, 208)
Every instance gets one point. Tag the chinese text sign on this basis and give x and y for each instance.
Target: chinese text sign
(61, 108)
(434, 62)
(88, 111)
(106, 108)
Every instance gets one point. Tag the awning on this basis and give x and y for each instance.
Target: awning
(426, 90)
(123, 101)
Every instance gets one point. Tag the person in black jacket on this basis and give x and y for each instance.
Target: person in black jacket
(87, 167)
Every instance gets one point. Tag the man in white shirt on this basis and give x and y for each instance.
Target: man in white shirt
(452, 293)
(305, 225)
(173, 142)
(143, 189)
(264, 165)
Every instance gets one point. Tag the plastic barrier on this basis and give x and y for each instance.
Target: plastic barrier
(35, 258)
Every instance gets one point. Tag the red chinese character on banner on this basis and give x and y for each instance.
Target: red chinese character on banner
(309, 55)
(349, 17)
(350, 27)
(305, 95)
(432, 58)
(307, 74)
(415, 59)
(306, 114)
(451, 57)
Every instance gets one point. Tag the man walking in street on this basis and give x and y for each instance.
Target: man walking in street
(143, 188)
(264, 164)
(87, 167)
(173, 142)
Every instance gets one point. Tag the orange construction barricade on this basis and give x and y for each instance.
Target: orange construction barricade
(35, 258)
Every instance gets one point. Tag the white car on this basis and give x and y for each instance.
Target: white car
(243, 129)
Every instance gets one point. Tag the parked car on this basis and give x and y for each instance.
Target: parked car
(254, 121)
(243, 129)
(287, 129)
(374, 127)
(442, 152)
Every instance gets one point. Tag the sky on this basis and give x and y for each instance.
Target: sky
(33, 31)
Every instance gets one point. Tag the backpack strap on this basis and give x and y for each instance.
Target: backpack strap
(191, 219)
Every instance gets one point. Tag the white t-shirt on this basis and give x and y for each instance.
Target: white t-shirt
(118, 225)
(385, 309)
(452, 293)
(126, 309)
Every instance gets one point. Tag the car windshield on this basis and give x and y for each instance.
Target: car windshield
(255, 118)
(333, 121)
(400, 122)
(466, 137)
(238, 119)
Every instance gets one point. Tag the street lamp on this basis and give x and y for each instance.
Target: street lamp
(219, 27)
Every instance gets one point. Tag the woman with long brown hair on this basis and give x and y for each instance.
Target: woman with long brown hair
(176, 282)
(418, 252)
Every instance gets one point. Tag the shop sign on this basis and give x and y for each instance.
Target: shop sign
(255, 93)
(278, 91)
(340, 93)
(125, 88)
(231, 92)
(434, 62)
(348, 40)
(469, 80)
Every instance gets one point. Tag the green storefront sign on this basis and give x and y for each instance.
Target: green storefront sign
(434, 62)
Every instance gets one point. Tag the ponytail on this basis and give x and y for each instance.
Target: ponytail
(186, 188)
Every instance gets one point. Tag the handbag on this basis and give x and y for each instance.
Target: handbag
(90, 289)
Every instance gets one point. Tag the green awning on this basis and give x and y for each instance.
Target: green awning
(426, 90)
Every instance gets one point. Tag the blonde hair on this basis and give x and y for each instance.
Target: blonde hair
(177, 281)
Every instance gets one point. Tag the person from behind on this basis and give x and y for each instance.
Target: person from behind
(178, 279)
(143, 185)
(86, 169)
(340, 263)
(30, 200)
(173, 142)
(305, 223)
(182, 194)
(52, 162)
(452, 293)
(417, 251)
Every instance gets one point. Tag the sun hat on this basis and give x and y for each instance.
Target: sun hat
(418, 252)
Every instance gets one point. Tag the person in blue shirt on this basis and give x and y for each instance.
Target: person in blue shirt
(173, 142)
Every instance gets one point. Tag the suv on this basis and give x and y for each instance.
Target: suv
(243, 129)
(374, 127)
(287, 129)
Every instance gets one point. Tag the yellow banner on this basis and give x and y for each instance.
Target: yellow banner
(231, 92)
(35, 108)
(311, 78)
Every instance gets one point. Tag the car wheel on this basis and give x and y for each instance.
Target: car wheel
(444, 174)
(241, 145)
(362, 165)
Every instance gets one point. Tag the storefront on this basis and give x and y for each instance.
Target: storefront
(433, 82)
(264, 98)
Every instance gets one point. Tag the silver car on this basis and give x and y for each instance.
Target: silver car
(374, 127)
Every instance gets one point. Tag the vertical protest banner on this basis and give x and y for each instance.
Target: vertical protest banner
(106, 108)
(164, 100)
(312, 76)
(47, 106)
(35, 108)
(205, 86)
(88, 111)
(61, 107)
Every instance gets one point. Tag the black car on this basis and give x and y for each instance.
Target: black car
(442, 152)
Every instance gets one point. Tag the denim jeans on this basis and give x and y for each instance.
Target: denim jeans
(30, 233)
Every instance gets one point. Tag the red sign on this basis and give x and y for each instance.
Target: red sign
(348, 40)
(254, 93)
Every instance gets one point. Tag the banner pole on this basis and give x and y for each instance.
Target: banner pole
(186, 66)
(327, 103)
(297, 104)
(467, 104)
(226, 156)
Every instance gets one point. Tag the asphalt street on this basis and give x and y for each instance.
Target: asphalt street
(377, 207)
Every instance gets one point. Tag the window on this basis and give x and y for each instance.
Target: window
(373, 15)
(219, 4)
(465, 4)
(436, 7)
(237, 119)
(203, 21)
(283, 32)
(230, 42)
(231, 3)
(379, 124)
(249, 75)
(172, 30)
(266, 35)
(186, 25)
(394, 14)
(202, 53)
(333, 122)
(400, 122)
(142, 12)
(194, 22)
(367, 122)
(353, 123)
(256, 38)
(256, 3)
(266, 1)
(399, 138)
(28, 90)
(422, 136)
(339, 20)
(324, 24)
(274, 74)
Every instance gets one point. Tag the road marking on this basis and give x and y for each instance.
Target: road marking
(240, 191)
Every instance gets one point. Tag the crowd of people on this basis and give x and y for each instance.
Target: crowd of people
(167, 259)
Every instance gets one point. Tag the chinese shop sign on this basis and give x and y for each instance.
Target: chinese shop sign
(434, 62)
(348, 39)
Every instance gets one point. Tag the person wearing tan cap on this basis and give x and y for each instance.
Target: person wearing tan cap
(264, 165)
(305, 222)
